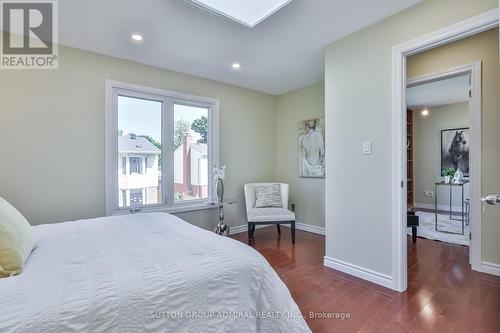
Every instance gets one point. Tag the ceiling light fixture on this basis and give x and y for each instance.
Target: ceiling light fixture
(425, 112)
(236, 65)
(136, 37)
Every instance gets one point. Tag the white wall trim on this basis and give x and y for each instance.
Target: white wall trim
(490, 268)
(360, 272)
(307, 227)
(300, 226)
(466, 28)
(454, 209)
(159, 91)
(244, 228)
(460, 30)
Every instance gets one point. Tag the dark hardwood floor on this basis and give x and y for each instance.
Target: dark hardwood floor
(443, 294)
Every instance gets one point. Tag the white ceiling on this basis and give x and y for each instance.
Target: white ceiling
(442, 92)
(283, 53)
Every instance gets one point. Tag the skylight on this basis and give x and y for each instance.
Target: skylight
(246, 12)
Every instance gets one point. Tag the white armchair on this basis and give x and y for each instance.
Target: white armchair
(268, 215)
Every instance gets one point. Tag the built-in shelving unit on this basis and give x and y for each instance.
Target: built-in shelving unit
(409, 164)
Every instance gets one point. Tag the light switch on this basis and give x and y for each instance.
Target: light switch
(367, 148)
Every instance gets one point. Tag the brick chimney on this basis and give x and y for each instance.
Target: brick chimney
(186, 165)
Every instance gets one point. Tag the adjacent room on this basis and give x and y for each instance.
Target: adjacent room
(263, 166)
(438, 147)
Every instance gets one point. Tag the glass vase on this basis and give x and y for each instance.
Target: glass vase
(219, 190)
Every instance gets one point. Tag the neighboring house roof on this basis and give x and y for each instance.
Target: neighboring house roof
(200, 147)
(137, 145)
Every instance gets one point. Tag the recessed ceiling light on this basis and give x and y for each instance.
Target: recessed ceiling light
(136, 37)
(236, 65)
(425, 112)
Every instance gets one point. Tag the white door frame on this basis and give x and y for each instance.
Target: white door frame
(400, 52)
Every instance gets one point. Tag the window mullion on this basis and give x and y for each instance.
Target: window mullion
(114, 143)
(167, 149)
(213, 146)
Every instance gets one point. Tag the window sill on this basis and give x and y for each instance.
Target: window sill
(172, 210)
(189, 208)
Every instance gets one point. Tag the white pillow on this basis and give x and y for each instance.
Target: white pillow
(268, 196)
(17, 240)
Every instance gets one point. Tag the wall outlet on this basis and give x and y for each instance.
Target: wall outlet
(429, 194)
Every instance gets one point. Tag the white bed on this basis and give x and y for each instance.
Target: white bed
(144, 273)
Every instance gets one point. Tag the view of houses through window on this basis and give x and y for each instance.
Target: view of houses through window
(140, 152)
(191, 167)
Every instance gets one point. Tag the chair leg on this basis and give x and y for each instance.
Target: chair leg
(279, 228)
(293, 232)
(250, 232)
(414, 234)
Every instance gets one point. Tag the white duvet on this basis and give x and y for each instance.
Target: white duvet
(144, 273)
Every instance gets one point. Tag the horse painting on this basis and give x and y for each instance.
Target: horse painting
(455, 149)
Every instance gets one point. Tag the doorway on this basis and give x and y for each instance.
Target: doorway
(443, 37)
(440, 110)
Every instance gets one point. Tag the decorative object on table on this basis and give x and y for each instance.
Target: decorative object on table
(447, 174)
(455, 149)
(268, 215)
(457, 177)
(219, 175)
(312, 148)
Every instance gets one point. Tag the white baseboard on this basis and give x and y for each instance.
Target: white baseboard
(307, 227)
(455, 209)
(360, 272)
(244, 228)
(490, 268)
(299, 226)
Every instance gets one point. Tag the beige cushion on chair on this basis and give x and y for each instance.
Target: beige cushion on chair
(250, 194)
(268, 196)
(17, 240)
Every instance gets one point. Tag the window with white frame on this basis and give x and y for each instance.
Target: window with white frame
(135, 164)
(160, 149)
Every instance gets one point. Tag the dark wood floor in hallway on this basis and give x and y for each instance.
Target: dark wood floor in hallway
(443, 294)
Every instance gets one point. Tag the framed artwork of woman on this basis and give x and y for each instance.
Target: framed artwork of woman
(312, 148)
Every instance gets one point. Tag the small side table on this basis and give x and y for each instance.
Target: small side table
(222, 228)
(451, 185)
